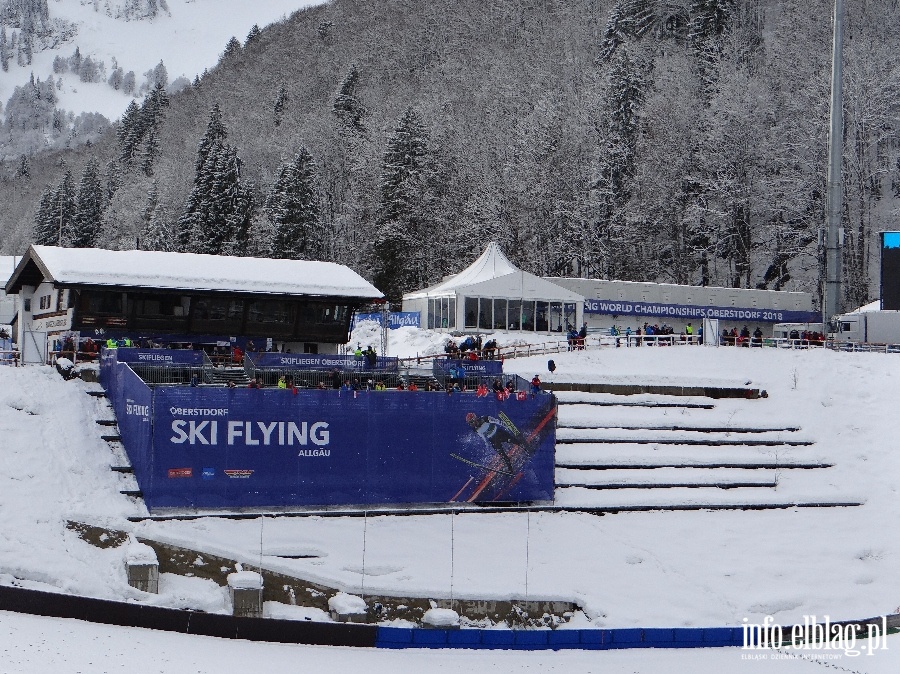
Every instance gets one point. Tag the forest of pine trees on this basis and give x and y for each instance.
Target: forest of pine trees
(670, 140)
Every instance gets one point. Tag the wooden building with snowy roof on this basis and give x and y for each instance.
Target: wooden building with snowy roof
(301, 305)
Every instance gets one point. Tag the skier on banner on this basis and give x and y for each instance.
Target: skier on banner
(495, 435)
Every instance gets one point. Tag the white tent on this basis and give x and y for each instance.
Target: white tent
(493, 294)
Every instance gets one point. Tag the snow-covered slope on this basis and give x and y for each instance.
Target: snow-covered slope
(187, 39)
(634, 569)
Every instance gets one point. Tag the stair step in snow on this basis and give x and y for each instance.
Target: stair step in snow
(122, 469)
(111, 438)
(685, 441)
(106, 422)
(674, 485)
(697, 429)
(645, 466)
(97, 394)
(603, 403)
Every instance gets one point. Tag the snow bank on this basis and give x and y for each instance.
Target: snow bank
(347, 604)
(441, 617)
(245, 580)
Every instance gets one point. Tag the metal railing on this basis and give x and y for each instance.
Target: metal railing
(9, 357)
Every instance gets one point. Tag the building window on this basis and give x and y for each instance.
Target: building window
(451, 314)
(485, 314)
(500, 314)
(541, 321)
(528, 316)
(556, 317)
(471, 312)
(515, 314)
(101, 303)
(570, 317)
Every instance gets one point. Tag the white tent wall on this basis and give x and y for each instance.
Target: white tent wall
(519, 301)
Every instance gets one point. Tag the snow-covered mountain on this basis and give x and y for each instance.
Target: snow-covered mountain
(187, 36)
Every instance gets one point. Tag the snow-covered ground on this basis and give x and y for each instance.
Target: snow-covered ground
(693, 568)
(187, 39)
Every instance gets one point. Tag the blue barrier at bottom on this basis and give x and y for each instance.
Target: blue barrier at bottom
(604, 639)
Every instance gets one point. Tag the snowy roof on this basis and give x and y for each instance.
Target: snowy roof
(189, 271)
(492, 264)
(866, 308)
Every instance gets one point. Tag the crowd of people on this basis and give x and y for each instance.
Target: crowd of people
(472, 348)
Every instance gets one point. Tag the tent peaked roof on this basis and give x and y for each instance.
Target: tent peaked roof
(490, 265)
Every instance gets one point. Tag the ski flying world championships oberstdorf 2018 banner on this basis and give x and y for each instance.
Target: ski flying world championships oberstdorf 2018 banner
(689, 311)
(234, 448)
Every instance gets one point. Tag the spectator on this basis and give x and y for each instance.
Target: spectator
(572, 338)
(253, 384)
(412, 386)
(535, 385)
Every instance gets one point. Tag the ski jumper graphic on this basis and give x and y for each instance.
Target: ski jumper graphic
(511, 449)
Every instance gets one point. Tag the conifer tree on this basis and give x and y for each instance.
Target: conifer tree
(347, 106)
(4, 50)
(292, 208)
(130, 132)
(253, 34)
(194, 207)
(45, 231)
(60, 217)
(156, 233)
(710, 18)
(112, 180)
(280, 103)
(88, 209)
(232, 49)
(399, 227)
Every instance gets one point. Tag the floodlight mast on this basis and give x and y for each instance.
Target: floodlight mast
(834, 240)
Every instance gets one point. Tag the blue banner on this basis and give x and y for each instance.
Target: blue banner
(473, 368)
(180, 357)
(396, 319)
(692, 311)
(313, 361)
(235, 448)
(131, 400)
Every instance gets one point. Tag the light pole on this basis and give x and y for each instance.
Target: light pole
(834, 240)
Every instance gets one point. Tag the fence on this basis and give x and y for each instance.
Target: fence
(9, 357)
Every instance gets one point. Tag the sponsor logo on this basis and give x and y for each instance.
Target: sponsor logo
(314, 452)
(238, 473)
(180, 472)
(209, 473)
(198, 412)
